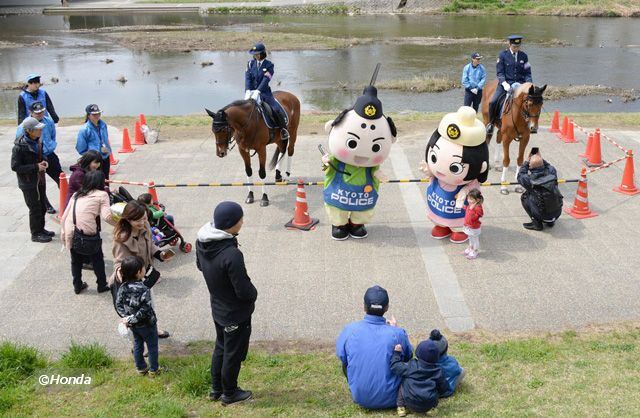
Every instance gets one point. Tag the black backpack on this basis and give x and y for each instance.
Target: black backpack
(547, 193)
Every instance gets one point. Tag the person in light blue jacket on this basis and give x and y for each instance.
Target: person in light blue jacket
(94, 136)
(365, 349)
(474, 76)
(451, 369)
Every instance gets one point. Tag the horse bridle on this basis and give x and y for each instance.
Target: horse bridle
(219, 126)
(531, 100)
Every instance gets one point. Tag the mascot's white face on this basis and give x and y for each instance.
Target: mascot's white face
(360, 142)
(445, 163)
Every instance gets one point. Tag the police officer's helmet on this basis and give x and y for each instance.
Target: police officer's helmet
(258, 48)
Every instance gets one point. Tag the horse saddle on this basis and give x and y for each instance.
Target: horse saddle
(270, 116)
(505, 101)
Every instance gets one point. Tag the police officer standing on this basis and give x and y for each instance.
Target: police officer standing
(33, 93)
(474, 77)
(512, 67)
(256, 83)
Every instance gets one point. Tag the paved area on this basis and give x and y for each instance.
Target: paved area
(579, 273)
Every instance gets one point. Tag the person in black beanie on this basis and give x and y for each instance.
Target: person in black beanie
(449, 365)
(232, 298)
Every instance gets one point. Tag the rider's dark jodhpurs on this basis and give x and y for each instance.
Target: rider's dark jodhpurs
(493, 104)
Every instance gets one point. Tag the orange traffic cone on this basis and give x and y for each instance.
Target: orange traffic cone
(139, 137)
(64, 189)
(580, 209)
(112, 160)
(154, 194)
(587, 150)
(565, 128)
(627, 186)
(569, 135)
(143, 120)
(555, 123)
(301, 219)
(594, 159)
(126, 143)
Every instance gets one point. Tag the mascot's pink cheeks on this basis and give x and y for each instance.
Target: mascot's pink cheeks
(343, 154)
(378, 160)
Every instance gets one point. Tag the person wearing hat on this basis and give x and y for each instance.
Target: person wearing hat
(259, 73)
(474, 76)
(451, 369)
(512, 67)
(49, 144)
(94, 135)
(29, 163)
(232, 296)
(360, 140)
(31, 93)
(365, 349)
(457, 160)
(423, 382)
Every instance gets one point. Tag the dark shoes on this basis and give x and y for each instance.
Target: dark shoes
(533, 225)
(49, 233)
(41, 237)
(51, 210)
(83, 286)
(340, 233)
(215, 395)
(164, 334)
(238, 396)
(358, 231)
(549, 224)
(102, 289)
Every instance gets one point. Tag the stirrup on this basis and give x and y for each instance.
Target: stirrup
(284, 134)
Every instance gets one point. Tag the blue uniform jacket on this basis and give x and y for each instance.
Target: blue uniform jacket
(258, 78)
(451, 370)
(474, 78)
(507, 69)
(48, 136)
(92, 137)
(365, 349)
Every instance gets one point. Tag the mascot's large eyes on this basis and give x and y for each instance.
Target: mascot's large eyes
(456, 168)
(352, 143)
(433, 157)
(375, 147)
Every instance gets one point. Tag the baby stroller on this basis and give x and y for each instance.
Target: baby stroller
(168, 233)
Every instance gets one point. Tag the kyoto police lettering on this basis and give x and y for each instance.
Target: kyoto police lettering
(352, 198)
(443, 202)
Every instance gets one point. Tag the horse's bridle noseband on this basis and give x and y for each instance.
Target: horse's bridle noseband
(219, 126)
(531, 100)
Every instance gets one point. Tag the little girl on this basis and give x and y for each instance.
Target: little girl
(473, 213)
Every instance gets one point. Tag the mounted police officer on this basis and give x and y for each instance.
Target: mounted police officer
(256, 83)
(32, 93)
(512, 67)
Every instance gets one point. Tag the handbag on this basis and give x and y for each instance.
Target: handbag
(82, 243)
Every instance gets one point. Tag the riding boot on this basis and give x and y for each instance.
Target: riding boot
(492, 111)
(282, 121)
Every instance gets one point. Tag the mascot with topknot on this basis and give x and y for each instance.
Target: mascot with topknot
(360, 139)
(457, 161)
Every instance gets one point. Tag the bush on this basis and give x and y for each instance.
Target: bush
(18, 362)
(91, 356)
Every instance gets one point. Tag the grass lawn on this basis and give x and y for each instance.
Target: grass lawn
(589, 373)
(198, 1)
(609, 8)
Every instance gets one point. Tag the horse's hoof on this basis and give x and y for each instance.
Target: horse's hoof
(519, 189)
(264, 201)
(278, 176)
(249, 198)
(504, 191)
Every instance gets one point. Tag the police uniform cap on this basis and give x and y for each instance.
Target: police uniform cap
(33, 77)
(36, 107)
(92, 109)
(258, 48)
(515, 39)
(462, 127)
(368, 105)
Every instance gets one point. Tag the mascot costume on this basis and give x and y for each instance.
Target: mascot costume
(360, 139)
(457, 160)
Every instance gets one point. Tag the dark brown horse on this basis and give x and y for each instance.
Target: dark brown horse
(241, 123)
(519, 120)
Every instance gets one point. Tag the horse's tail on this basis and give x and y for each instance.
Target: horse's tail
(275, 160)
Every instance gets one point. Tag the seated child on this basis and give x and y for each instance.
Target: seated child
(134, 305)
(154, 213)
(423, 382)
(450, 367)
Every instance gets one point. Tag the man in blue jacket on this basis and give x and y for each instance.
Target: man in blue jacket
(512, 67)
(256, 83)
(94, 135)
(365, 349)
(474, 77)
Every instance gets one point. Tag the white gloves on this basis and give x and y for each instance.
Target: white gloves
(506, 86)
(474, 91)
(247, 94)
(255, 95)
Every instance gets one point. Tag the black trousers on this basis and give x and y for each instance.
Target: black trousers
(36, 202)
(53, 170)
(471, 99)
(105, 166)
(232, 345)
(493, 104)
(97, 260)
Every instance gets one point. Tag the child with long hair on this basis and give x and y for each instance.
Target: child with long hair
(473, 213)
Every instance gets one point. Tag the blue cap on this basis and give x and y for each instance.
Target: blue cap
(515, 39)
(258, 48)
(427, 351)
(32, 76)
(476, 55)
(376, 297)
(92, 109)
(37, 107)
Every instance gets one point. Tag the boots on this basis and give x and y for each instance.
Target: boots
(534, 225)
(282, 121)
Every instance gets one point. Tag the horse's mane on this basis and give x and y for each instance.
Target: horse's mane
(523, 89)
(236, 103)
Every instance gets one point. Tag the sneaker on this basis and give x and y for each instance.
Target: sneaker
(238, 396)
(549, 224)
(467, 251)
(51, 210)
(215, 395)
(143, 372)
(40, 238)
(154, 373)
(463, 373)
(533, 225)
(402, 411)
(83, 286)
(339, 233)
(164, 334)
(358, 232)
(472, 255)
(102, 289)
(49, 233)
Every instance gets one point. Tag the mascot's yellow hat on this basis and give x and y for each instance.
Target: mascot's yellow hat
(462, 127)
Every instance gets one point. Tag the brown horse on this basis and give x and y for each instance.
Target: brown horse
(241, 123)
(519, 120)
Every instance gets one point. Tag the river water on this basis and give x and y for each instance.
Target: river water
(562, 51)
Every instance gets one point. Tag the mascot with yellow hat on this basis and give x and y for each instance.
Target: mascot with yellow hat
(457, 160)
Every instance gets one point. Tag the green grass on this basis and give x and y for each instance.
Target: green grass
(196, 1)
(591, 373)
(608, 8)
(420, 84)
(91, 356)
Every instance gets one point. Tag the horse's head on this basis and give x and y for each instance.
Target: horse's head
(532, 106)
(222, 131)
